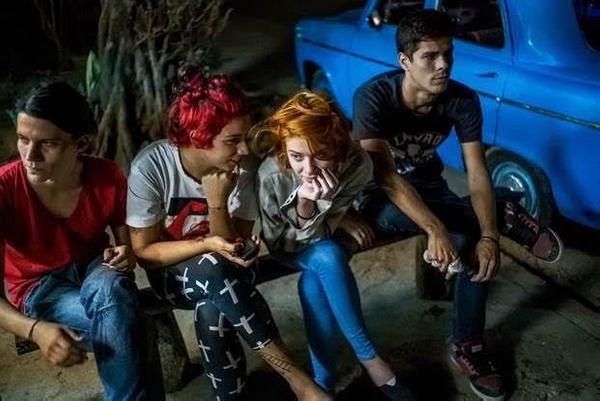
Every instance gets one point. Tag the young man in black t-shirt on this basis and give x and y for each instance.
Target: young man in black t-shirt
(400, 118)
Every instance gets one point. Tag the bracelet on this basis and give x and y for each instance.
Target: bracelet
(30, 335)
(487, 237)
(217, 208)
(314, 213)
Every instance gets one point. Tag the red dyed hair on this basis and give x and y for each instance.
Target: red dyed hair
(202, 106)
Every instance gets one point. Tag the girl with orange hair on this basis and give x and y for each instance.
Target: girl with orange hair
(306, 186)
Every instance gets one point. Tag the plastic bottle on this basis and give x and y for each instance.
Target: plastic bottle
(456, 266)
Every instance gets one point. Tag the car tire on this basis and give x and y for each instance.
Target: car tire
(515, 178)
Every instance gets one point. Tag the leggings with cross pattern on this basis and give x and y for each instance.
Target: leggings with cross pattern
(225, 302)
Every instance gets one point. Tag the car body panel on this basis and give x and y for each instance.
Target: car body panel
(540, 91)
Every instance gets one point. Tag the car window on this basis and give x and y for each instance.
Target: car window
(478, 21)
(588, 12)
(393, 10)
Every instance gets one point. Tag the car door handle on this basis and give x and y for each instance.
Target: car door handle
(491, 74)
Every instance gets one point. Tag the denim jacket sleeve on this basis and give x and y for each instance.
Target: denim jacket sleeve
(278, 193)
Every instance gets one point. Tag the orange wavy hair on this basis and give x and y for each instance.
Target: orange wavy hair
(309, 115)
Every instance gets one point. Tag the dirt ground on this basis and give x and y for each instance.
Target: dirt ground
(546, 344)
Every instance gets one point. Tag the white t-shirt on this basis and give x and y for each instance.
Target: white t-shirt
(159, 189)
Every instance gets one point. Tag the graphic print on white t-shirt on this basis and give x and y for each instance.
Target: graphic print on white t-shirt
(187, 218)
(161, 191)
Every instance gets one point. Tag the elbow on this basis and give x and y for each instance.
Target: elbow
(144, 260)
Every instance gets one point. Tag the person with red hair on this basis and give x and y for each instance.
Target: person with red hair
(189, 198)
(306, 187)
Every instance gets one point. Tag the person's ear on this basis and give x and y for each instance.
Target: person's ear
(404, 61)
(83, 143)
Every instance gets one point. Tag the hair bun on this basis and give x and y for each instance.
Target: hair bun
(191, 83)
(190, 74)
(202, 105)
(316, 104)
(218, 85)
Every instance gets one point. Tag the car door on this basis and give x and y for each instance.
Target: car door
(482, 61)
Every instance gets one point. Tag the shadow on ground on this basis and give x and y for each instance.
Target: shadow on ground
(410, 360)
(578, 236)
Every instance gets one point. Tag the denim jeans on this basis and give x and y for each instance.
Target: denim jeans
(101, 305)
(330, 302)
(468, 319)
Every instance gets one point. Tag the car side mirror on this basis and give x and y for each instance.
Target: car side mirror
(375, 19)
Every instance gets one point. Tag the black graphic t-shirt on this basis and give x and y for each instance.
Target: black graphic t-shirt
(380, 113)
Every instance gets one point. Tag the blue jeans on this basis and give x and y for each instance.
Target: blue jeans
(468, 319)
(330, 302)
(101, 305)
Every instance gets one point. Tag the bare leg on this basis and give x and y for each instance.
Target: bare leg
(300, 383)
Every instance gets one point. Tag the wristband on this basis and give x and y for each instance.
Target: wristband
(487, 237)
(30, 335)
(314, 213)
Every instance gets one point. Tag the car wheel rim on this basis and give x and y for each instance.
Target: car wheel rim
(512, 176)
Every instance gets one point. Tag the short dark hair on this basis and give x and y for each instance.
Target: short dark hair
(62, 105)
(422, 25)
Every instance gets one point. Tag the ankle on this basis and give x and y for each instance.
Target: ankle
(301, 383)
(379, 371)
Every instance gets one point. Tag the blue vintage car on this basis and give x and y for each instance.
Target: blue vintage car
(535, 65)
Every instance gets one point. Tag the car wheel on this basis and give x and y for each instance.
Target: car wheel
(320, 82)
(514, 178)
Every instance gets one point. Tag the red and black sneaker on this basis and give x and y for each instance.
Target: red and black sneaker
(523, 228)
(471, 360)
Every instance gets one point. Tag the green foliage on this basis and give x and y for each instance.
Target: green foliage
(12, 114)
(92, 73)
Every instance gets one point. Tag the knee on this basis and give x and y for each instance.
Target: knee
(120, 288)
(309, 286)
(462, 242)
(108, 289)
(390, 219)
(327, 257)
(211, 266)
